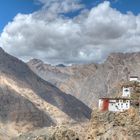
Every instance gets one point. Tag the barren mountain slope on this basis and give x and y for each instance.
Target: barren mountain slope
(105, 125)
(87, 82)
(27, 101)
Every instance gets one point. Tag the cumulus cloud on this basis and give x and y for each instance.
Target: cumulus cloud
(61, 6)
(53, 8)
(85, 38)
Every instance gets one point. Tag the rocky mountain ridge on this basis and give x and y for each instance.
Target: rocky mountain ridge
(28, 102)
(88, 82)
(103, 125)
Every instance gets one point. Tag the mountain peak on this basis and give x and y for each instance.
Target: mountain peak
(30, 100)
(35, 60)
(120, 57)
(60, 65)
(1, 50)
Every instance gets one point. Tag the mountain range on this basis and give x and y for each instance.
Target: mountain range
(88, 82)
(35, 95)
(28, 102)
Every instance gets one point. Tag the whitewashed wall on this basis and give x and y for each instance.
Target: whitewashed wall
(133, 79)
(121, 105)
(126, 92)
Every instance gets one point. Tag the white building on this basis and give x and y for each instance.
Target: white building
(126, 92)
(117, 105)
(114, 104)
(134, 78)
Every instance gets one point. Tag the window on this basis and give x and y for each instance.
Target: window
(121, 101)
(121, 105)
(126, 90)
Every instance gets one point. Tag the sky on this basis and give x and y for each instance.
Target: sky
(69, 31)
(10, 8)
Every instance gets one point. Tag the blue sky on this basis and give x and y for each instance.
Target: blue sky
(121, 5)
(9, 8)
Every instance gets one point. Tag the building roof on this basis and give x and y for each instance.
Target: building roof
(134, 77)
(117, 98)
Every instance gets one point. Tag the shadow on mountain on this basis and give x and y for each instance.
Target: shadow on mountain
(19, 72)
(67, 103)
(15, 108)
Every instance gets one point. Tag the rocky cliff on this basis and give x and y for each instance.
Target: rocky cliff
(28, 102)
(117, 125)
(102, 126)
(88, 82)
(114, 126)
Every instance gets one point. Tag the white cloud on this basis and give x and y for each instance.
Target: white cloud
(61, 6)
(88, 37)
(52, 8)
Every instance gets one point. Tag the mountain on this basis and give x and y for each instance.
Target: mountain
(60, 65)
(117, 125)
(105, 125)
(122, 125)
(88, 82)
(28, 102)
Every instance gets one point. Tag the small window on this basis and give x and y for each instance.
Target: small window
(126, 90)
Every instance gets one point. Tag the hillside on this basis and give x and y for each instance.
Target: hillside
(28, 102)
(88, 82)
(106, 125)
(103, 125)
(118, 125)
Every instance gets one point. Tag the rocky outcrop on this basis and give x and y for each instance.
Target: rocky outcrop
(115, 126)
(55, 133)
(102, 126)
(88, 82)
(28, 102)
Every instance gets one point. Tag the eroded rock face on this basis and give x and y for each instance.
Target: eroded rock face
(54, 133)
(108, 125)
(28, 102)
(64, 134)
(102, 126)
(88, 82)
(117, 125)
